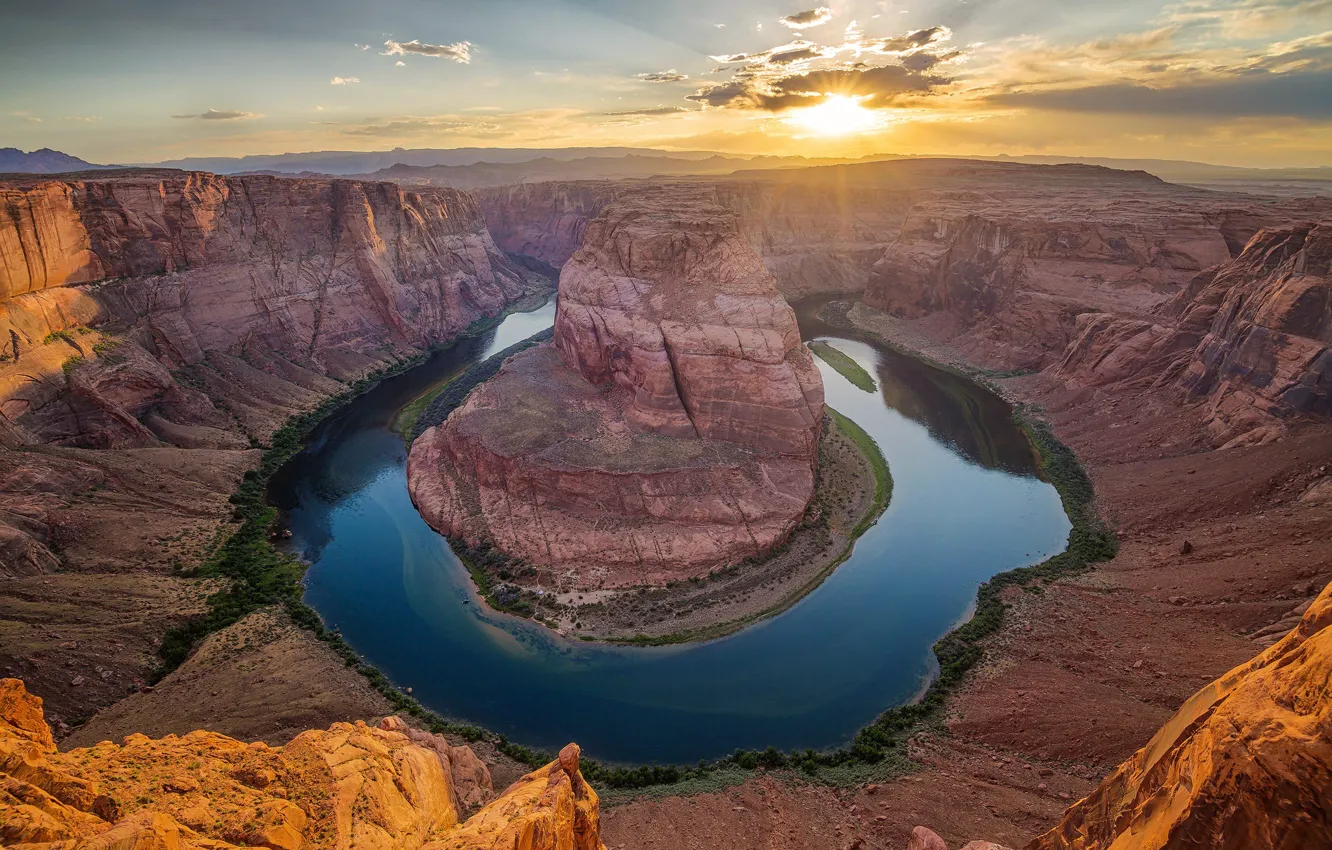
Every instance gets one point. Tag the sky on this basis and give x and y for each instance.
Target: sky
(1242, 82)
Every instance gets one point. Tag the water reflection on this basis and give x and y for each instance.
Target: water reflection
(957, 411)
(807, 678)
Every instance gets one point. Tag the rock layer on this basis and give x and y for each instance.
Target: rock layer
(671, 428)
(1245, 762)
(352, 785)
(154, 327)
(1252, 335)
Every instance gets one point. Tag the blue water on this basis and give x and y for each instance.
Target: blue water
(966, 505)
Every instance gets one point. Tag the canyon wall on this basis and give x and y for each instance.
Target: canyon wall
(814, 241)
(352, 785)
(1251, 335)
(671, 428)
(157, 326)
(998, 259)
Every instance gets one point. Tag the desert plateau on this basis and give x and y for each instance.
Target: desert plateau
(662, 426)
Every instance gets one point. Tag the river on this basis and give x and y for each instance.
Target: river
(966, 504)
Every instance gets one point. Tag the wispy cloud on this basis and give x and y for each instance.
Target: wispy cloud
(221, 115)
(83, 119)
(344, 81)
(459, 51)
(671, 76)
(651, 111)
(808, 18)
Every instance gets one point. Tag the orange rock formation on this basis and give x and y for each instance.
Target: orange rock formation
(1245, 763)
(352, 785)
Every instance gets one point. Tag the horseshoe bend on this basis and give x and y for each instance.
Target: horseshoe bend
(670, 428)
(914, 503)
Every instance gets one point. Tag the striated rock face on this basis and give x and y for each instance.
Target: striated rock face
(672, 304)
(544, 221)
(1252, 334)
(303, 265)
(671, 428)
(349, 786)
(1246, 762)
(155, 325)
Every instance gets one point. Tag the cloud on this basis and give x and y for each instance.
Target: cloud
(881, 84)
(1300, 94)
(803, 72)
(83, 119)
(671, 76)
(222, 115)
(897, 45)
(1245, 18)
(651, 111)
(344, 81)
(459, 51)
(808, 18)
(400, 64)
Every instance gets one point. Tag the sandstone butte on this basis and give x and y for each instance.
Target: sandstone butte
(353, 785)
(672, 426)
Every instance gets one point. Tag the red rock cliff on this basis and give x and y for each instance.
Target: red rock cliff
(182, 267)
(672, 427)
(1252, 335)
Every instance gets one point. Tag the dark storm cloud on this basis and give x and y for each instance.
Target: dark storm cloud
(1299, 94)
(222, 115)
(671, 76)
(459, 51)
(808, 18)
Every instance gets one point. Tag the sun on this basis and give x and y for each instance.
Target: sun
(838, 115)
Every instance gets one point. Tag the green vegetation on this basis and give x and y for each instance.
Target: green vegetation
(71, 364)
(451, 396)
(883, 478)
(256, 575)
(845, 365)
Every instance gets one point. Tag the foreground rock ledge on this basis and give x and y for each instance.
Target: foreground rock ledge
(671, 428)
(352, 785)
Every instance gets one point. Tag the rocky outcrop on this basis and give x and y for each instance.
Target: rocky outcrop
(352, 785)
(1252, 335)
(671, 428)
(1246, 762)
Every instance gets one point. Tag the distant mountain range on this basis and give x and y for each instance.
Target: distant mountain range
(468, 168)
(44, 161)
(632, 166)
(347, 163)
